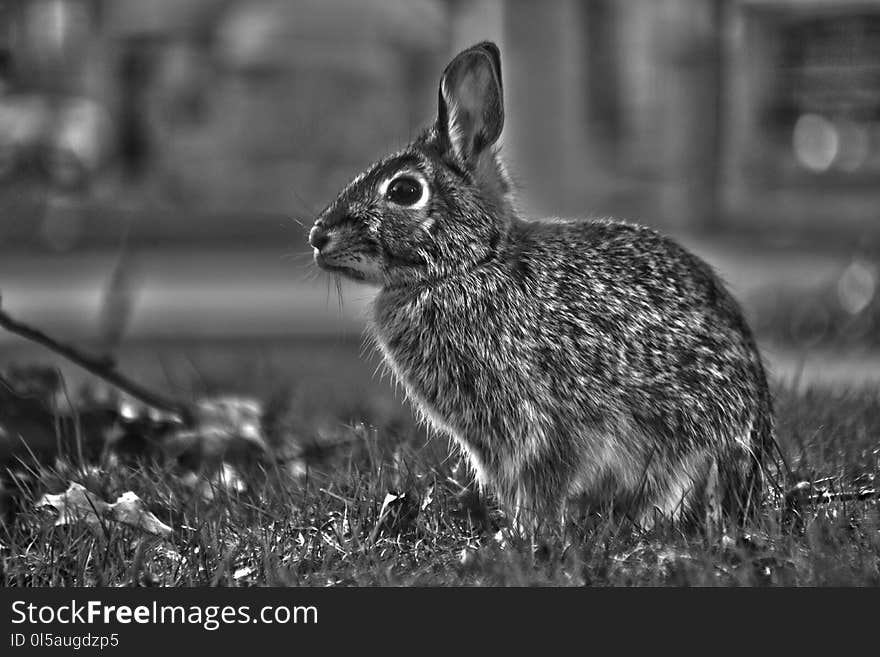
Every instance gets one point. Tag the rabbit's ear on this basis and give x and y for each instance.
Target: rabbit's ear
(471, 111)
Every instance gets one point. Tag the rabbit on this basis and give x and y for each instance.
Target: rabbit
(586, 360)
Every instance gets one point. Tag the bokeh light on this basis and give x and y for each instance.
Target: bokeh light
(816, 142)
(857, 286)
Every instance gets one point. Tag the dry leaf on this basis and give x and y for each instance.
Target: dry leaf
(78, 504)
(390, 498)
(75, 504)
(237, 416)
(225, 428)
(130, 510)
(227, 478)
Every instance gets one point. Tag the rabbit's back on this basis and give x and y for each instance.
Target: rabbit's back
(596, 358)
(643, 317)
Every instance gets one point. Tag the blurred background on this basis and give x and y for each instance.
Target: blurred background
(161, 161)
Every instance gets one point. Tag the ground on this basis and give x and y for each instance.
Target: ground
(353, 493)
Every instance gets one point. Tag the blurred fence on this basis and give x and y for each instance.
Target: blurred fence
(689, 114)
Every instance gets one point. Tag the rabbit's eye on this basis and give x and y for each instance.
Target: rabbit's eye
(404, 191)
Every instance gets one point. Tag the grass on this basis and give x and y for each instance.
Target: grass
(367, 499)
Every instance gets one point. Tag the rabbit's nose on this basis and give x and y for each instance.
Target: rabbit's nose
(318, 237)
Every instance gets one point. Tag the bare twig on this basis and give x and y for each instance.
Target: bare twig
(103, 368)
(845, 496)
(806, 491)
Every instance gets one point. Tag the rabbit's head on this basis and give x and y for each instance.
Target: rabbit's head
(439, 206)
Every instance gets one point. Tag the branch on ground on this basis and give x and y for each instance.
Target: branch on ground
(102, 367)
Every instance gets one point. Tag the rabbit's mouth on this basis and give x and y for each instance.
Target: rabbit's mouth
(356, 270)
(329, 265)
(345, 271)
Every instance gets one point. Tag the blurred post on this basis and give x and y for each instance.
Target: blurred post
(544, 134)
(691, 55)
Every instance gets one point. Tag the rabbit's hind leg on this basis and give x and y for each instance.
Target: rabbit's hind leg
(534, 506)
(689, 491)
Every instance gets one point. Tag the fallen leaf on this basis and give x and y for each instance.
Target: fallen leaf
(75, 504)
(79, 504)
(224, 429)
(227, 478)
(390, 498)
(130, 510)
(237, 416)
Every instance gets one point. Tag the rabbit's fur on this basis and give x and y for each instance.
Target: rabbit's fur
(589, 359)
